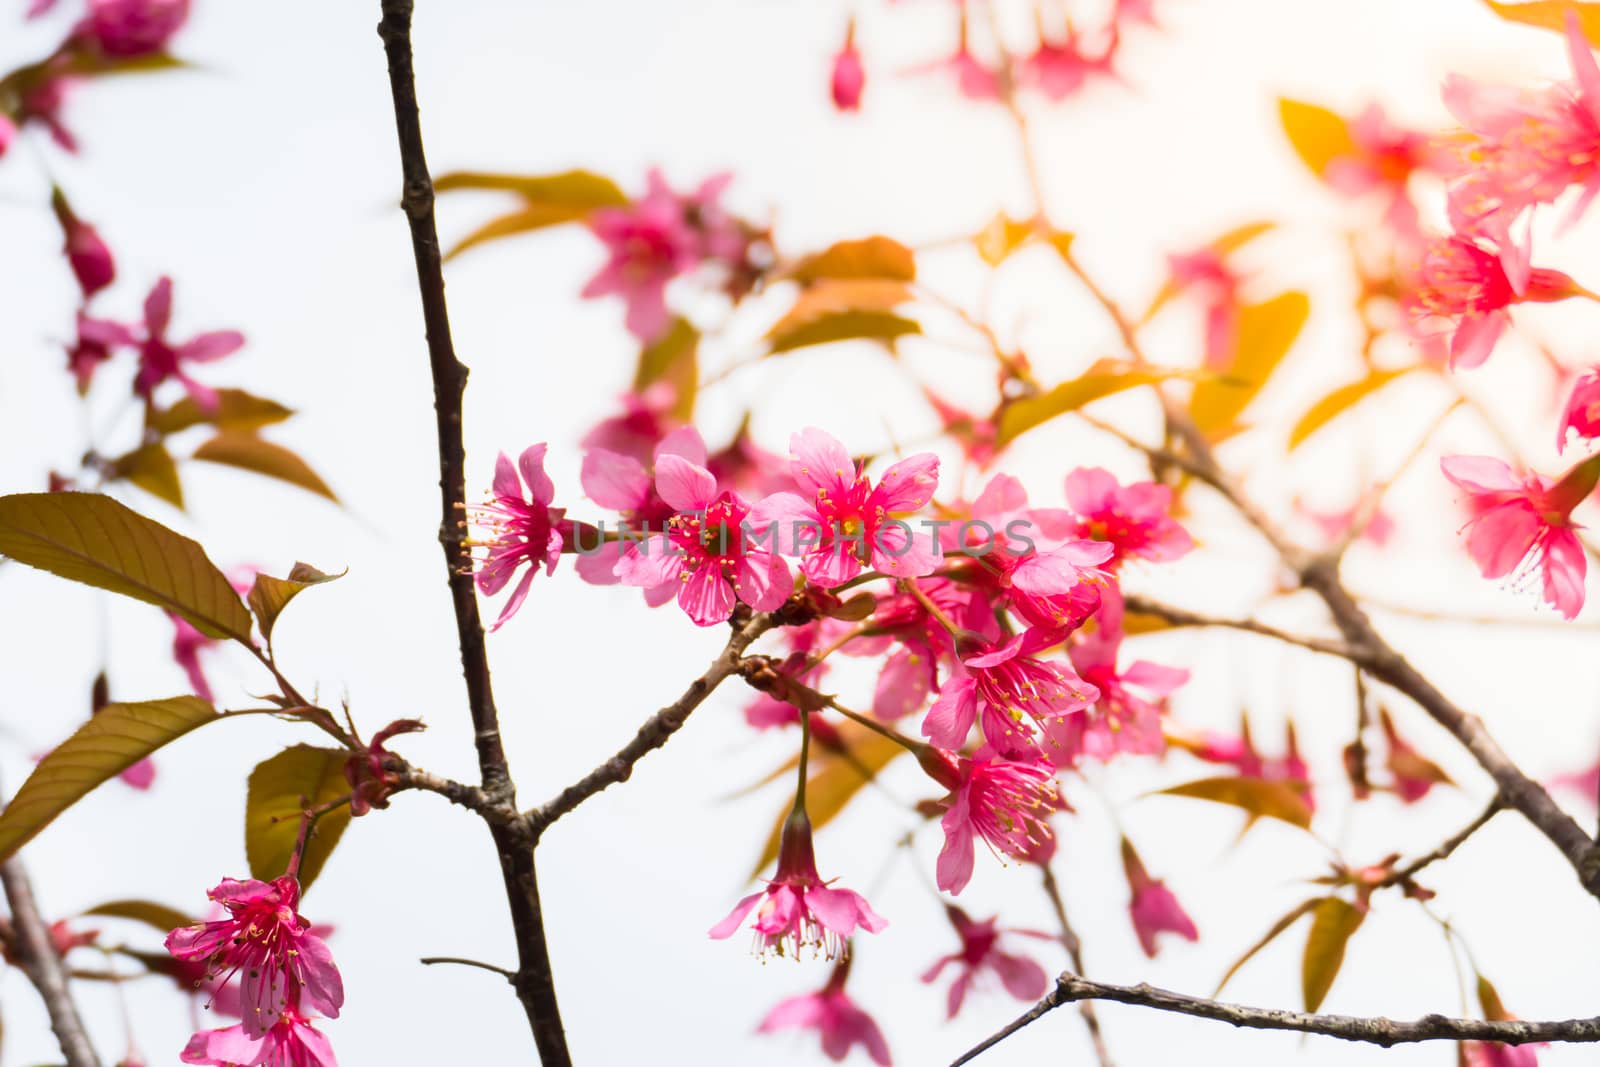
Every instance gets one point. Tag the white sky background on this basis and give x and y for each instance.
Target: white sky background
(264, 183)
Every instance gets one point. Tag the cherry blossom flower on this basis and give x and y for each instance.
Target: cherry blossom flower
(1523, 524)
(849, 77)
(978, 435)
(94, 344)
(622, 483)
(128, 28)
(645, 419)
(290, 1041)
(1004, 802)
(1135, 519)
(523, 530)
(798, 910)
(1058, 69)
(1494, 1054)
(43, 102)
(974, 80)
(87, 254)
(834, 1016)
(1413, 775)
(649, 243)
(1468, 288)
(847, 521)
(1335, 526)
(980, 954)
(1240, 752)
(919, 641)
(8, 132)
(1205, 273)
(1383, 159)
(1153, 907)
(744, 465)
(264, 938)
(1126, 715)
(1125, 11)
(161, 361)
(1011, 693)
(1582, 413)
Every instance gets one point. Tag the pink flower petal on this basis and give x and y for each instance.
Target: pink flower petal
(819, 462)
(683, 485)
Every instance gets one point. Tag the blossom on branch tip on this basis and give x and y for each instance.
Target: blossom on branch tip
(835, 1017)
(522, 530)
(849, 77)
(1004, 802)
(1153, 907)
(980, 954)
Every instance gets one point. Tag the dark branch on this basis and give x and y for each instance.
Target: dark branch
(1374, 1031)
(37, 952)
(510, 976)
(535, 984)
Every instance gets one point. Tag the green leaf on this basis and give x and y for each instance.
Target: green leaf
(281, 788)
(1270, 936)
(93, 539)
(1266, 333)
(157, 916)
(1318, 135)
(836, 779)
(674, 358)
(1552, 15)
(249, 452)
(152, 469)
(1105, 377)
(1333, 921)
(870, 257)
(843, 309)
(1259, 797)
(1001, 237)
(235, 410)
(1341, 400)
(269, 595)
(116, 738)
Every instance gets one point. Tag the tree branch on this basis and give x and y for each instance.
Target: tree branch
(535, 984)
(37, 951)
(1449, 845)
(1185, 617)
(1074, 946)
(1369, 1030)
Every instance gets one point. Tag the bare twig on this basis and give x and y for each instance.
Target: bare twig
(514, 846)
(1184, 617)
(37, 952)
(1446, 847)
(510, 976)
(1370, 1030)
(1074, 946)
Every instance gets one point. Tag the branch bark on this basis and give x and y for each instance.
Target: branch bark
(37, 952)
(1369, 1030)
(513, 844)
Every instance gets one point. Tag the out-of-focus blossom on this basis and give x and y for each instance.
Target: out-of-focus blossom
(973, 78)
(1135, 519)
(1153, 907)
(1126, 715)
(1128, 11)
(1058, 69)
(128, 28)
(834, 1016)
(746, 467)
(1383, 159)
(978, 435)
(648, 244)
(8, 132)
(1205, 273)
(522, 530)
(94, 344)
(1414, 775)
(849, 77)
(1240, 752)
(980, 955)
(1335, 526)
(161, 361)
(645, 419)
(1003, 802)
(86, 252)
(43, 101)
(1582, 413)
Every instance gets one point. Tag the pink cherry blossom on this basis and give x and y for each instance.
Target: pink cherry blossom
(1059, 69)
(1004, 802)
(1520, 525)
(618, 481)
(975, 80)
(1385, 157)
(127, 28)
(370, 773)
(8, 132)
(798, 910)
(1582, 413)
(745, 466)
(1153, 907)
(1135, 519)
(94, 345)
(703, 554)
(1465, 289)
(917, 642)
(161, 361)
(86, 253)
(523, 530)
(645, 419)
(849, 77)
(649, 243)
(1239, 752)
(1205, 273)
(1126, 715)
(978, 435)
(834, 1016)
(1023, 705)
(980, 955)
(844, 520)
(1494, 1054)
(1125, 11)
(291, 1041)
(1335, 525)
(44, 100)
(1413, 775)
(279, 961)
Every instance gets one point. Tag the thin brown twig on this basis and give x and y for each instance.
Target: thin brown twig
(37, 951)
(1184, 617)
(1446, 847)
(1074, 946)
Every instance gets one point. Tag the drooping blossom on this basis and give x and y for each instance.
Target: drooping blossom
(1414, 776)
(618, 481)
(1464, 290)
(798, 909)
(280, 963)
(96, 340)
(916, 640)
(703, 554)
(849, 76)
(973, 78)
(1239, 752)
(649, 243)
(835, 1017)
(1522, 524)
(87, 254)
(522, 530)
(290, 1041)
(769, 708)
(1128, 11)
(161, 361)
(1383, 158)
(844, 521)
(1126, 714)
(1135, 519)
(1582, 413)
(980, 955)
(1023, 705)
(1495, 1054)
(1060, 68)
(1205, 273)
(1153, 907)
(128, 28)
(43, 101)
(1004, 802)
(368, 771)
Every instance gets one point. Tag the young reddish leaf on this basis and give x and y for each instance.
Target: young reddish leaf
(235, 410)
(1341, 400)
(1552, 15)
(152, 469)
(269, 596)
(156, 916)
(1259, 797)
(1277, 928)
(996, 241)
(838, 777)
(674, 358)
(843, 309)
(93, 539)
(117, 737)
(1227, 244)
(293, 781)
(1266, 333)
(1318, 135)
(1105, 377)
(249, 452)
(871, 257)
(1333, 921)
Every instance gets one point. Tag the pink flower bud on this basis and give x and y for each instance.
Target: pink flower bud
(134, 27)
(849, 77)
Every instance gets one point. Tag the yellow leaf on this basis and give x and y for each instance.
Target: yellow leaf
(1333, 921)
(1318, 135)
(1265, 334)
(869, 257)
(249, 452)
(156, 916)
(1552, 15)
(1341, 400)
(93, 539)
(1105, 377)
(674, 358)
(1259, 797)
(842, 309)
(1277, 928)
(114, 739)
(1000, 238)
(152, 469)
(835, 779)
(281, 788)
(235, 410)
(549, 200)
(269, 596)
